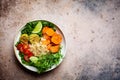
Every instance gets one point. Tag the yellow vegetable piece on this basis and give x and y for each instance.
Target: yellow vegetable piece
(24, 38)
(34, 38)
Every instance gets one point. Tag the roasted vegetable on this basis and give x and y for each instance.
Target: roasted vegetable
(34, 38)
(24, 38)
(56, 38)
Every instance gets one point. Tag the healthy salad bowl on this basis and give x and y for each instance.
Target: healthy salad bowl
(40, 46)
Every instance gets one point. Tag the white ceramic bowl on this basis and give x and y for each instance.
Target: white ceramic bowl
(63, 50)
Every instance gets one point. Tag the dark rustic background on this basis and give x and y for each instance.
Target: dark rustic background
(92, 30)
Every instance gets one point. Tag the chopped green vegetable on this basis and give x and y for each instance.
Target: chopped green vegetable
(43, 62)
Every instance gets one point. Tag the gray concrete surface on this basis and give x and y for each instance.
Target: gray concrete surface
(92, 29)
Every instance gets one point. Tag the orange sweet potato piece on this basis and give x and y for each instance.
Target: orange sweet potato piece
(44, 29)
(46, 36)
(50, 31)
(54, 49)
(49, 46)
(46, 42)
(56, 38)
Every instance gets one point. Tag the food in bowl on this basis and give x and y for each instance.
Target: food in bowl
(39, 45)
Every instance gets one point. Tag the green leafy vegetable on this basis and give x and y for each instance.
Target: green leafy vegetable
(47, 61)
(43, 62)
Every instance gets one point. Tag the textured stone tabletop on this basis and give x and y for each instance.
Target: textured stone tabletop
(92, 30)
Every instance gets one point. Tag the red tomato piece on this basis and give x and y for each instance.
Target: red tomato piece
(25, 46)
(26, 51)
(21, 49)
(19, 46)
(30, 54)
(26, 58)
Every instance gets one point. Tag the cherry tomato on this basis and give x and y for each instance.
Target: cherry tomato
(19, 46)
(21, 49)
(25, 46)
(26, 58)
(26, 51)
(30, 54)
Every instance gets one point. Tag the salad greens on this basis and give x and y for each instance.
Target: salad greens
(43, 62)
